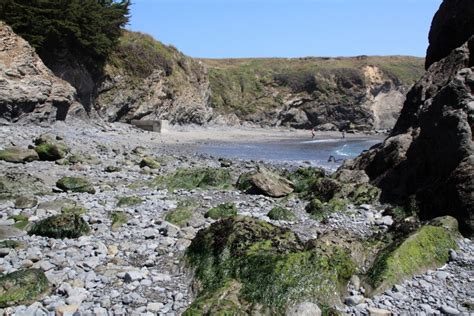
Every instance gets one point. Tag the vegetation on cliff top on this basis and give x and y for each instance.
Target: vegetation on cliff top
(88, 28)
(249, 85)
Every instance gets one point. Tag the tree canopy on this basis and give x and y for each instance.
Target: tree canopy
(86, 28)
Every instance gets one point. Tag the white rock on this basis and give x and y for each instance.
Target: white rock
(304, 309)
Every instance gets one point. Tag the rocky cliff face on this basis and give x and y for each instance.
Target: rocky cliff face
(453, 21)
(327, 93)
(29, 91)
(145, 79)
(429, 157)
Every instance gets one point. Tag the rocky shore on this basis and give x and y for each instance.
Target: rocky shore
(134, 259)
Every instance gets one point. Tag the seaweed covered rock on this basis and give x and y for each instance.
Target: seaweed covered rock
(49, 149)
(25, 201)
(75, 184)
(14, 183)
(263, 181)
(61, 226)
(304, 178)
(22, 287)
(18, 155)
(221, 211)
(275, 269)
(279, 213)
(320, 210)
(203, 178)
(129, 201)
(183, 212)
(426, 248)
(150, 163)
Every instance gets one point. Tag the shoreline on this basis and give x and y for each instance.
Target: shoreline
(224, 134)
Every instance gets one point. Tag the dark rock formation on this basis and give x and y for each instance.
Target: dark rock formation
(429, 156)
(452, 25)
(29, 91)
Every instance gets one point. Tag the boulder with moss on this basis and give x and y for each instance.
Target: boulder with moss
(75, 184)
(183, 212)
(22, 287)
(18, 155)
(320, 210)
(26, 201)
(221, 211)
(129, 201)
(275, 269)
(49, 148)
(149, 162)
(424, 249)
(304, 178)
(14, 183)
(279, 213)
(67, 225)
(263, 181)
(203, 178)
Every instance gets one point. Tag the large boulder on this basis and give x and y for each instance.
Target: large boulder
(50, 149)
(61, 226)
(18, 155)
(429, 155)
(426, 248)
(14, 183)
(242, 263)
(22, 287)
(263, 181)
(30, 91)
(75, 184)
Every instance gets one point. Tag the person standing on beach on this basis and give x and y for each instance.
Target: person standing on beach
(313, 133)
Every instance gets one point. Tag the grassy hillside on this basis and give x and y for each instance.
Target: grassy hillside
(246, 86)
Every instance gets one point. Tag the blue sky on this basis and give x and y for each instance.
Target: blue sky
(287, 28)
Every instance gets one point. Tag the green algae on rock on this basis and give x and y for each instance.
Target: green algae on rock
(426, 248)
(18, 155)
(149, 162)
(203, 178)
(61, 226)
(111, 169)
(223, 301)
(274, 267)
(118, 219)
(75, 184)
(221, 211)
(50, 152)
(320, 210)
(304, 178)
(183, 212)
(279, 213)
(129, 201)
(22, 287)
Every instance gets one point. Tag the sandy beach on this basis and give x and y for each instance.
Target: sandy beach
(224, 134)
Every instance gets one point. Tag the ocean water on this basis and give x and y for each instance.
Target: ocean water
(301, 152)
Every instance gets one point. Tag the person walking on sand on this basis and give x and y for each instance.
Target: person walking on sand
(313, 133)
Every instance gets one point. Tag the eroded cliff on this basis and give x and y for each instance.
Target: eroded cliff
(428, 160)
(29, 91)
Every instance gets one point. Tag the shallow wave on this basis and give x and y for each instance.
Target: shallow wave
(316, 141)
